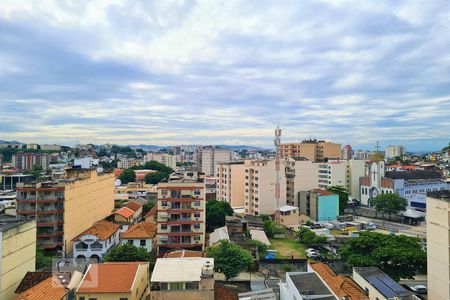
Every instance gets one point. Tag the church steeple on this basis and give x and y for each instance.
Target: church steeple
(377, 156)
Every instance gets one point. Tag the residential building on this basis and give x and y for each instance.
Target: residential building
(66, 207)
(438, 245)
(48, 285)
(288, 216)
(18, 253)
(163, 158)
(33, 146)
(320, 205)
(25, 161)
(343, 173)
(188, 278)
(211, 188)
(96, 241)
(394, 151)
(184, 254)
(218, 235)
(142, 234)
(231, 183)
(313, 150)
(347, 152)
(305, 286)
(210, 157)
(301, 175)
(129, 162)
(137, 208)
(181, 216)
(115, 280)
(380, 286)
(86, 162)
(125, 217)
(342, 286)
(363, 155)
(11, 145)
(47, 147)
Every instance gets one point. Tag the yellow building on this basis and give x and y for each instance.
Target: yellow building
(114, 281)
(438, 245)
(65, 208)
(18, 254)
(231, 182)
(313, 150)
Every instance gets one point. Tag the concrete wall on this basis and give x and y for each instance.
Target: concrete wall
(86, 201)
(327, 208)
(18, 256)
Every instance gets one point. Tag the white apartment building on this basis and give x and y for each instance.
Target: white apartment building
(438, 245)
(343, 173)
(210, 157)
(128, 163)
(363, 155)
(163, 158)
(86, 162)
(393, 151)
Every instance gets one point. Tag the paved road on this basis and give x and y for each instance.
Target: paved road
(413, 282)
(417, 231)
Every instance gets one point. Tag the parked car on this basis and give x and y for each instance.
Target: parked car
(314, 255)
(311, 250)
(329, 226)
(419, 289)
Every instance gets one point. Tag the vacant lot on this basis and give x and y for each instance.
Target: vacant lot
(287, 248)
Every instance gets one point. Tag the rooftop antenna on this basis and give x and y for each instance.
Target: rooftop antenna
(277, 142)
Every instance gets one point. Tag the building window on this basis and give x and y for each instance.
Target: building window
(176, 285)
(196, 226)
(81, 298)
(196, 203)
(143, 243)
(123, 298)
(164, 203)
(197, 215)
(164, 285)
(163, 226)
(197, 192)
(191, 285)
(197, 238)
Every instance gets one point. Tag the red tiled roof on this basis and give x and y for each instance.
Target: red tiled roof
(102, 229)
(152, 211)
(133, 205)
(114, 277)
(387, 183)
(125, 212)
(184, 253)
(342, 286)
(142, 230)
(49, 289)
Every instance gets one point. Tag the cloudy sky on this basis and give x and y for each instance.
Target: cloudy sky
(225, 72)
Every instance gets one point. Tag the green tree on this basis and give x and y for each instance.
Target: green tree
(230, 259)
(106, 165)
(128, 252)
(399, 256)
(127, 176)
(216, 211)
(272, 228)
(148, 206)
(343, 194)
(154, 165)
(262, 248)
(154, 178)
(42, 260)
(389, 203)
(309, 237)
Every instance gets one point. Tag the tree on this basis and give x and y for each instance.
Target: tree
(154, 178)
(230, 259)
(390, 203)
(399, 256)
(128, 252)
(37, 170)
(271, 228)
(127, 176)
(42, 261)
(147, 207)
(154, 165)
(343, 194)
(106, 165)
(262, 248)
(309, 237)
(216, 211)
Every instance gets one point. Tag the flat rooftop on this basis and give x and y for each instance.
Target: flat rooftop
(179, 269)
(311, 284)
(439, 194)
(7, 223)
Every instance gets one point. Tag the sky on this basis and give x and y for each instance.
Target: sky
(225, 72)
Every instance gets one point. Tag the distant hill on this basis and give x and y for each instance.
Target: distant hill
(233, 147)
(10, 142)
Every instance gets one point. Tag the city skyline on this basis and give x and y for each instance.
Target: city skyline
(225, 73)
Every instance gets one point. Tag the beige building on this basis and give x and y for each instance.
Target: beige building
(231, 183)
(18, 254)
(114, 281)
(312, 150)
(394, 151)
(165, 159)
(129, 162)
(301, 175)
(47, 147)
(181, 216)
(438, 245)
(189, 278)
(66, 207)
(344, 173)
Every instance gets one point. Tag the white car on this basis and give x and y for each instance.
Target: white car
(310, 251)
(419, 289)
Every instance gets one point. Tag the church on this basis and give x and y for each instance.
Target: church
(375, 182)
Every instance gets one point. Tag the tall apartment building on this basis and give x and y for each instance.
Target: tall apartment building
(210, 157)
(312, 150)
(393, 151)
(66, 207)
(181, 216)
(17, 254)
(301, 175)
(438, 245)
(343, 173)
(347, 152)
(26, 161)
(165, 159)
(363, 155)
(231, 185)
